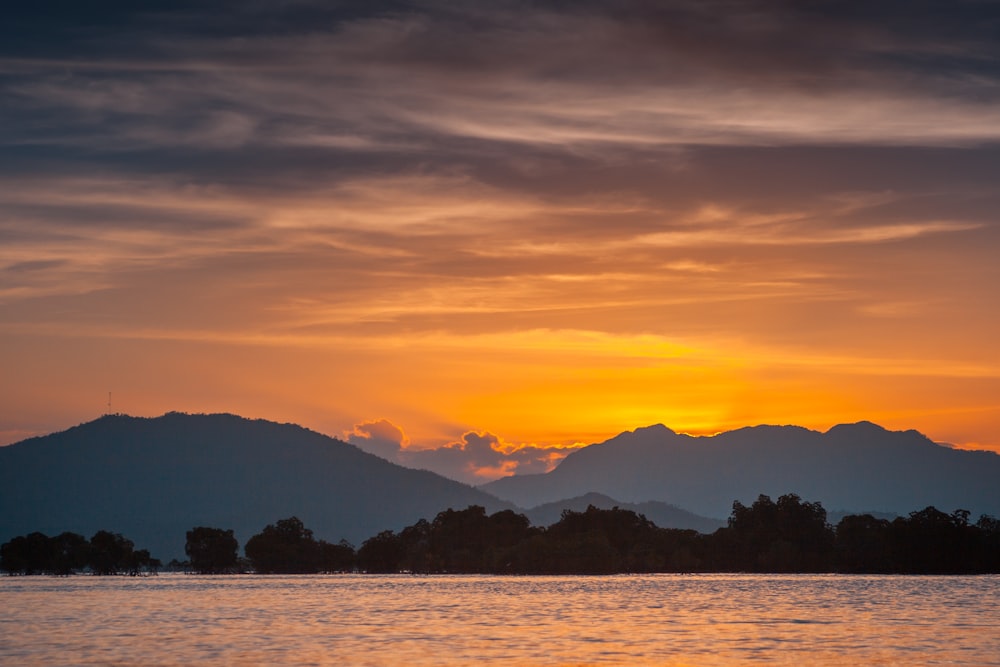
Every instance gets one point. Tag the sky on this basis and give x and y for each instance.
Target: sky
(471, 236)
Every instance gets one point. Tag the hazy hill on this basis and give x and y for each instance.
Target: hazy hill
(852, 467)
(153, 479)
(662, 514)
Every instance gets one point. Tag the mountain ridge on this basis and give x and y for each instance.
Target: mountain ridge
(662, 514)
(154, 478)
(851, 467)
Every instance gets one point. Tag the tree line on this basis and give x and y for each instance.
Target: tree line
(787, 535)
(104, 553)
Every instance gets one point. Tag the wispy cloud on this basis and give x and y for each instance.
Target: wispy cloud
(583, 78)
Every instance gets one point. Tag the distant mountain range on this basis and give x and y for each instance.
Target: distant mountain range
(154, 479)
(662, 514)
(852, 467)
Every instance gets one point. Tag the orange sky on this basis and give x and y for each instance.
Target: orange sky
(545, 228)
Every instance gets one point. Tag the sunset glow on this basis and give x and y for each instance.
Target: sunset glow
(503, 228)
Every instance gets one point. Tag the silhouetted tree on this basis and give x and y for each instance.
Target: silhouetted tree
(600, 541)
(790, 535)
(338, 557)
(140, 561)
(12, 560)
(458, 540)
(105, 553)
(864, 544)
(111, 553)
(932, 542)
(70, 553)
(27, 554)
(505, 530)
(989, 537)
(414, 545)
(595, 541)
(286, 547)
(679, 550)
(587, 552)
(211, 550)
(382, 553)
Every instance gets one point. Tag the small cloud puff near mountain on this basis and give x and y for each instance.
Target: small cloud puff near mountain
(477, 457)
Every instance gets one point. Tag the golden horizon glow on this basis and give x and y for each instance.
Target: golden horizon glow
(547, 388)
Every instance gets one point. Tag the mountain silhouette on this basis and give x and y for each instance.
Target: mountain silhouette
(662, 514)
(852, 467)
(153, 479)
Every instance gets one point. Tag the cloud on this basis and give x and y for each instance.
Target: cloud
(477, 457)
(480, 457)
(379, 437)
(592, 78)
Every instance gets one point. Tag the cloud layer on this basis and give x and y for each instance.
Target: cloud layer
(550, 221)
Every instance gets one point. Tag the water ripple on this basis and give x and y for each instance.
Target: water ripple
(464, 620)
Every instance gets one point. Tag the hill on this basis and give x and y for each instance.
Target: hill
(152, 479)
(852, 467)
(662, 514)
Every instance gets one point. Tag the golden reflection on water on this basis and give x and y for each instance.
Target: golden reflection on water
(464, 620)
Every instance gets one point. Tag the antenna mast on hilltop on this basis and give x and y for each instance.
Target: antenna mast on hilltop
(109, 402)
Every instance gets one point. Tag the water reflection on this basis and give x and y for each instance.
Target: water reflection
(380, 620)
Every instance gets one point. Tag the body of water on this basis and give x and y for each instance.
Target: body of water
(179, 619)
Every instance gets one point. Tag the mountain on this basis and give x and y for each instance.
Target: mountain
(852, 467)
(154, 479)
(662, 514)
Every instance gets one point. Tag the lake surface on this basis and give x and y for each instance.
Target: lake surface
(177, 619)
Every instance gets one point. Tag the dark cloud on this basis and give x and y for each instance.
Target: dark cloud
(64, 28)
(565, 103)
(28, 267)
(225, 76)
